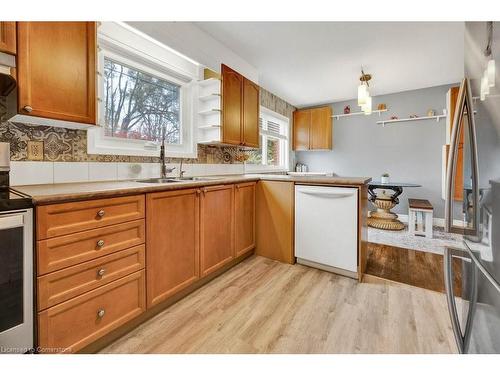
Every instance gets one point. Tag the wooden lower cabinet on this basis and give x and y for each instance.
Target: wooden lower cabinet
(172, 222)
(244, 218)
(216, 227)
(275, 220)
(73, 324)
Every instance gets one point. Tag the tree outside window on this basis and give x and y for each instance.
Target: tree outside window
(140, 106)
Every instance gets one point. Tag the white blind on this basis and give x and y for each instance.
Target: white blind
(273, 126)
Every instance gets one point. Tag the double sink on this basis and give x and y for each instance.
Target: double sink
(171, 180)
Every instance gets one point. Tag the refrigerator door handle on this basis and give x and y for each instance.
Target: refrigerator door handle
(450, 298)
(462, 340)
(464, 103)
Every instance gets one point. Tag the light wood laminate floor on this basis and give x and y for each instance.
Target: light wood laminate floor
(263, 306)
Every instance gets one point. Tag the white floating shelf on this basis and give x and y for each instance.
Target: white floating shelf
(206, 98)
(379, 111)
(209, 81)
(437, 118)
(209, 112)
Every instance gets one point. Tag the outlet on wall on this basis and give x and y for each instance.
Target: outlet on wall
(35, 150)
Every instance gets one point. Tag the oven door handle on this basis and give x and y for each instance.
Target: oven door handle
(11, 221)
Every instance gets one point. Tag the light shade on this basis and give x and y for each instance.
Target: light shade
(490, 73)
(485, 88)
(362, 94)
(367, 107)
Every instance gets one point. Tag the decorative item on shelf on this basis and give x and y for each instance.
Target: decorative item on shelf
(431, 112)
(385, 178)
(413, 116)
(381, 107)
(394, 117)
(347, 109)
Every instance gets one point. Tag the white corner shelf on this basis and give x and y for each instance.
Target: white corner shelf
(379, 111)
(209, 127)
(206, 98)
(209, 112)
(437, 118)
(209, 81)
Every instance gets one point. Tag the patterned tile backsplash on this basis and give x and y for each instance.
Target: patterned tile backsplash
(69, 145)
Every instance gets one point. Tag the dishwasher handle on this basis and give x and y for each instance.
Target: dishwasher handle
(328, 194)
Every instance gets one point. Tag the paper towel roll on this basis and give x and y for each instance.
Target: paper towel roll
(4, 156)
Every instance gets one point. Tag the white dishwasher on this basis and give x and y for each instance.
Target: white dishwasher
(326, 228)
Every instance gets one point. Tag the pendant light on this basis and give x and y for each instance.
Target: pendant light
(489, 75)
(367, 107)
(363, 92)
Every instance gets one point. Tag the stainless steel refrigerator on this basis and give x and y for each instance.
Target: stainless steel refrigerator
(472, 272)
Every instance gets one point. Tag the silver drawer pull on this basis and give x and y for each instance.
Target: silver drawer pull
(100, 213)
(101, 272)
(100, 243)
(100, 313)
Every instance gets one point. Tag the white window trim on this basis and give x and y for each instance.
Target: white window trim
(155, 62)
(285, 151)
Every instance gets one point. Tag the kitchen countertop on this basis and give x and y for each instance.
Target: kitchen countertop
(54, 193)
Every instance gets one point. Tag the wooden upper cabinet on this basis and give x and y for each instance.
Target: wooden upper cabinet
(216, 227)
(232, 95)
(57, 70)
(240, 109)
(301, 129)
(244, 217)
(312, 129)
(321, 128)
(172, 241)
(8, 37)
(250, 120)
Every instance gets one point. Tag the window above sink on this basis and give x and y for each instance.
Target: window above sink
(144, 87)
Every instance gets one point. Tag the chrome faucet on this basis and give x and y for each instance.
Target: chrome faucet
(181, 171)
(164, 170)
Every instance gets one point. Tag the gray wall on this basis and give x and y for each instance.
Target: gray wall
(408, 151)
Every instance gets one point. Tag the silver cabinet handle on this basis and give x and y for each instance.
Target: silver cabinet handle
(101, 272)
(28, 108)
(100, 213)
(100, 313)
(100, 243)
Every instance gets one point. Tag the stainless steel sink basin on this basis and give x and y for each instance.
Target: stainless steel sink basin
(158, 180)
(197, 178)
(170, 180)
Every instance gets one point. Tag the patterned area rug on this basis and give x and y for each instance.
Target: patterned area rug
(403, 239)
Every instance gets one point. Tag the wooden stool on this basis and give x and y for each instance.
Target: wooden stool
(420, 217)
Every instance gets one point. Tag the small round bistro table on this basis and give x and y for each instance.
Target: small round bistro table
(383, 218)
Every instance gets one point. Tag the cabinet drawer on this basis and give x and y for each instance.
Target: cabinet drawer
(76, 323)
(60, 252)
(70, 282)
(65, 218)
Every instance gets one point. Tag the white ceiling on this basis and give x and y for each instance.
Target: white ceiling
(308, 63)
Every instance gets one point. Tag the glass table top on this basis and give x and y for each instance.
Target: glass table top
(394, 184)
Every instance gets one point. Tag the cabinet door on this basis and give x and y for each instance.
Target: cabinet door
(250, 114)
(232, 84)
(216, 227)
(8, 37)
(244, 217)
(57, 70)
(321, 128)
(172, 243)
(301, 126)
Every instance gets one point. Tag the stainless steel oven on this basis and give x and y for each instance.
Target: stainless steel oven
(16, 281)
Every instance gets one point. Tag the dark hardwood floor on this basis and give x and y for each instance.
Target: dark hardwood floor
(417, 268)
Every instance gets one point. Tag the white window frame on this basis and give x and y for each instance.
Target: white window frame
(266, 113)
(144, 55)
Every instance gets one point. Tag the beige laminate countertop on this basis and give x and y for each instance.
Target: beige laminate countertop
(54, 193)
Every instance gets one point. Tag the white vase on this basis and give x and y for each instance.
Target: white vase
(384, 180)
